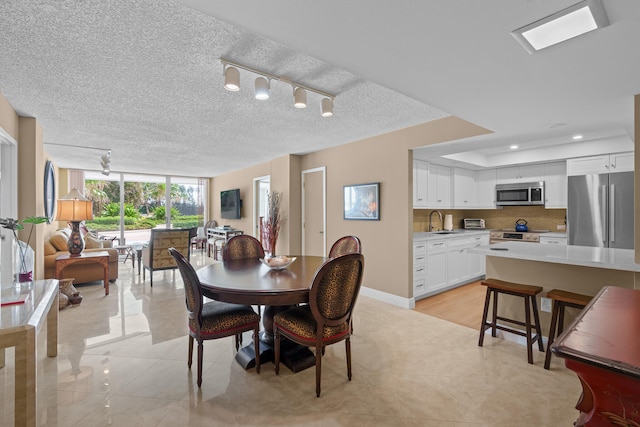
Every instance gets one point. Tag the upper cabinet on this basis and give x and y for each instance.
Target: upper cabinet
(523, 173)
(555, 185)
(439, 187)
(465, 192)
(420, 179)
(486, 188)
(606, 163)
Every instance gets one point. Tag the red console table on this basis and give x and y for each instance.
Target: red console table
(602, 347)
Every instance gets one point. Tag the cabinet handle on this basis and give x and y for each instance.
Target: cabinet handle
(420, 269)
(438, 244)
(419, 258)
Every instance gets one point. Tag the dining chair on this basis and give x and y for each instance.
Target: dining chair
(345, 245)
(326, 319)
(242, 246)
(214, 319)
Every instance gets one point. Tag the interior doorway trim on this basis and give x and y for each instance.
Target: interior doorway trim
(322, 169)
(256, 202)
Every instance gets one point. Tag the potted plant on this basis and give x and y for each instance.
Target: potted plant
(25, 267)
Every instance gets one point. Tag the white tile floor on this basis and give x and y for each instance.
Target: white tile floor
(122, 362)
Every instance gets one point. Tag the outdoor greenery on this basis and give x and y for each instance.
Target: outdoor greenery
(143, 205)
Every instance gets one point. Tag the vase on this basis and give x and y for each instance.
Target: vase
(24, 260)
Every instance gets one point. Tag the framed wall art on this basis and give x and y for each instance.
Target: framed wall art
(362, 201)
(49, 191)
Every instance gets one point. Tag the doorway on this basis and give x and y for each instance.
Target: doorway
(314, 203)
(261, 188)
(9, 205)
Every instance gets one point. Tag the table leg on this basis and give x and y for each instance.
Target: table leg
(295, 357)
(52, 327)
(139, 252)
(25, 378)
(106, 276)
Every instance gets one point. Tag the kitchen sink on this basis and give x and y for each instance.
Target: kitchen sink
(445, 232)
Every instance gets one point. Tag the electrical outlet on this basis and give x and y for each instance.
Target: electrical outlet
(545, 304)
(561, 227)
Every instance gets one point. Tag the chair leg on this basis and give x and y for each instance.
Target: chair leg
(494, 321)
(536, 318)
(151, 278)
(200, 351)
(276, 348)
(483, 327)
(319, 349)
(256, 345)
(190, 356)
(527, 316)
(552, 333)
(347, 345)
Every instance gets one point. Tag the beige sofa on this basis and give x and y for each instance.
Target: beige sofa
(56, 245)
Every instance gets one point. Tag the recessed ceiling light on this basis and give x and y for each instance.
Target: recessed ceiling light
(577, 137)
(514, 147)
(588, 15)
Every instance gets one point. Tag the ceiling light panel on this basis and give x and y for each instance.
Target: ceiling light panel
(571, 22)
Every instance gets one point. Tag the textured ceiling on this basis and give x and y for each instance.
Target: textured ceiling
(143, 78)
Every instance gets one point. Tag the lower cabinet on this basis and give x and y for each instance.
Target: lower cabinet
(444, 263)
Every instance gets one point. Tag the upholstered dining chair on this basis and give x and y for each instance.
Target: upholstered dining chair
(326, 319)
(213, 319)
(155, 256)
(345, 245)
(242, 246)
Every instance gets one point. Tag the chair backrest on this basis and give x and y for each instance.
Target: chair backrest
(163, 239)
(345, 245)
(335, 289)
(210, 224)
(242, 246)
(192, 289)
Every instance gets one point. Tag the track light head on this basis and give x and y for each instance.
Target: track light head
(327, 107)
(231, 79)
(299, 97)
(262, 88)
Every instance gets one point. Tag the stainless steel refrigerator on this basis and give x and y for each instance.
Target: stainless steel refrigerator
(600, 210)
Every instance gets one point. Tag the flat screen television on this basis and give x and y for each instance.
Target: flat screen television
(230, 204)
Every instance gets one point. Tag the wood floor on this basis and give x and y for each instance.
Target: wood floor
(462, 305)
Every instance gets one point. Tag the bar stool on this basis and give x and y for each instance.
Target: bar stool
(561, 299)
(528, 292)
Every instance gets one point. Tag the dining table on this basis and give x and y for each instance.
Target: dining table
(251, 282)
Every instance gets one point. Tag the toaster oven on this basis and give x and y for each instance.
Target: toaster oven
(473, 223)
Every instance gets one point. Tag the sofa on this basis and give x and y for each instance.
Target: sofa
(56, 245)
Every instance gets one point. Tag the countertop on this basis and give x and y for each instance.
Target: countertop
(455, 233)
(614, 259)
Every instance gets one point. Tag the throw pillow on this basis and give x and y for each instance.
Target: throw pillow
(92, 243)
(59, 241)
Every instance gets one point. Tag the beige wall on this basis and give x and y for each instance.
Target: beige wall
(31, 162)
(386, 159)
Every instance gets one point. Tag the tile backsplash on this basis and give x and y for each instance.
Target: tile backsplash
(537, 217)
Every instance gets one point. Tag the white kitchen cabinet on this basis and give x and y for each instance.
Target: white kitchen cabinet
(555, 185)
(605, 163)
(477, 262)
(419, 267)
(439, 187)
(465, 193)
(437, 259)
(420, 183)
(458, 267)
(522, 173)
(486, 181)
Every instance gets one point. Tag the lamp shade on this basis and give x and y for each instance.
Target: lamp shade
(74, 207)
(299, 98)
(232, 79)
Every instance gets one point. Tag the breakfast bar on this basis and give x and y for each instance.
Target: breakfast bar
(579, 269)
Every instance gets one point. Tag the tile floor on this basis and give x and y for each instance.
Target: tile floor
(122, 362)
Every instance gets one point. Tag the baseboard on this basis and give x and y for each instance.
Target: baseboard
(401, 302)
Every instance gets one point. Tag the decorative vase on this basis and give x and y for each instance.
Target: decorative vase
(67, 288)
(24, 261)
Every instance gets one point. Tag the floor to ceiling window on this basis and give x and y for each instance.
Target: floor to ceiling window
(127, 206)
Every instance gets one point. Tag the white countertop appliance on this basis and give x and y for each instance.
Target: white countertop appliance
(511, 235)
(473, 224)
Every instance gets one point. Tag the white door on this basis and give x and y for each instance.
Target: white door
(314, 212)
(8, 201)
(261, 188)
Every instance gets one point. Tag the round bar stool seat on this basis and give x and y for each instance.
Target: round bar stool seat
(561, 299)
(528, 293)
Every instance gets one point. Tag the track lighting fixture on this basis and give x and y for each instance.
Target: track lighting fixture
(105, 162)
(299, 98)
(327, 107)
(263, 85)
(232, 79)
(262, 88)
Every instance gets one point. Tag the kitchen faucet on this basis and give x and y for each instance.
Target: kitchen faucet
(430, 215)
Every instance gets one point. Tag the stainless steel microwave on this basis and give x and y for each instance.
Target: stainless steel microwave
(520, 194)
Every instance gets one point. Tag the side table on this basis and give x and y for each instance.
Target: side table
(100, 257)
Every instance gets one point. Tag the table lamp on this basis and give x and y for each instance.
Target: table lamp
(74, 208)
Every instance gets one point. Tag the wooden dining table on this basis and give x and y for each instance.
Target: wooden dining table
(252, 283)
